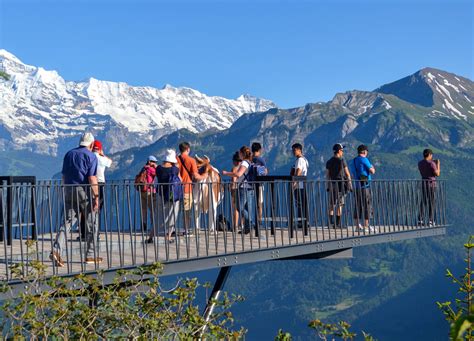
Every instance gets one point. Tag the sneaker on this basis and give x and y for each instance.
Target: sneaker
(149, 240)
(370, 229)
(245, 231)
(359, 228)
(92, 260)
(432, 224)
(420, 223)
(56, 258)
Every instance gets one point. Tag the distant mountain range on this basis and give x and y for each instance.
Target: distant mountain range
(43, 113)
(429, 108)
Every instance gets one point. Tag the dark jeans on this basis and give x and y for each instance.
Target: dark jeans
(363, 203)
(428, 201)
(301, 207)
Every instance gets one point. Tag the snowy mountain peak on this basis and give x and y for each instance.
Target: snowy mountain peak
(4, 54)
(41, 112)
(447, 94)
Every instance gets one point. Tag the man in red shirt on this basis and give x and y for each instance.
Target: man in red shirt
(189, 173)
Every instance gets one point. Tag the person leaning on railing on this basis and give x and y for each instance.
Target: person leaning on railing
(300, 168)
(363, 171)
(147, 191)
(245, 193)
(429, 170)
(189, 173)
(338, 184)
(169, 193)
(80, 175)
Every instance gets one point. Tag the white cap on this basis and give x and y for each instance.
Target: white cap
(170, 156)
(86, 140)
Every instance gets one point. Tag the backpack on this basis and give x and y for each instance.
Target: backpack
(223, 224)
(254, 171)
(173, 191)
(141, 180)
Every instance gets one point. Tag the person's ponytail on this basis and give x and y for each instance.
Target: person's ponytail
(246, 153)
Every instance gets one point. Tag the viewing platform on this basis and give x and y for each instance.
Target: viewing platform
(286, 223)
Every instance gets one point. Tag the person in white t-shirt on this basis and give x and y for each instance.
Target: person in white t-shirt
(300, 168)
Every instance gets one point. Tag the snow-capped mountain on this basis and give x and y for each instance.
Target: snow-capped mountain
(447, 94)
(43, 113)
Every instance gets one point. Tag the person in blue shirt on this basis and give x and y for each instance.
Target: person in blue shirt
(81, 199)
(363, 170)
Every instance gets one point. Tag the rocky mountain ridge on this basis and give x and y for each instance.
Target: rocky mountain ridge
(381, 119)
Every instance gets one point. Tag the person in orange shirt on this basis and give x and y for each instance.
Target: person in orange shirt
(189, 173)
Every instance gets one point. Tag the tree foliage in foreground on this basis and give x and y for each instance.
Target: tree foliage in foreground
(134, 306)
(460, 315)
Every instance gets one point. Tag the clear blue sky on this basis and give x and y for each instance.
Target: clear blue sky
(292, 52)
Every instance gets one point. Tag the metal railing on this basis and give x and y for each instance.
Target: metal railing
(138, 225)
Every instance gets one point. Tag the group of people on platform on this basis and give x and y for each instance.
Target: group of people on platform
(169, 185)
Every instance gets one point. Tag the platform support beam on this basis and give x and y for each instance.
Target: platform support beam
(215, 294)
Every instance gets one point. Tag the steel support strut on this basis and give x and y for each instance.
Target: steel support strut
(215, 294)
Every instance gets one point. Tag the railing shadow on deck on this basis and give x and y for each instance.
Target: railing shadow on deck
(277, 213)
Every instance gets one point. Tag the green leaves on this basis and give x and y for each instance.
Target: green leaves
(460, 315)
(339, 330)
(134, 307)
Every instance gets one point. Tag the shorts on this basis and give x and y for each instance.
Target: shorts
(336, 197)
(188, 201)
(235, 197)
(363, 203)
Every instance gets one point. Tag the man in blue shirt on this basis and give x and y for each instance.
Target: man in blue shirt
(363, 170)
(81, 199)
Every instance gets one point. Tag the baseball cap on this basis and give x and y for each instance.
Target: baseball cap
(337, 147)
(362, 148)
(86, 140)
(97, 145)
(152, 158)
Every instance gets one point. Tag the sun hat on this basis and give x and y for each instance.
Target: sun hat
(337, 147)
(86, 140)
(97, 145)
(152, 159)
(170, 156)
